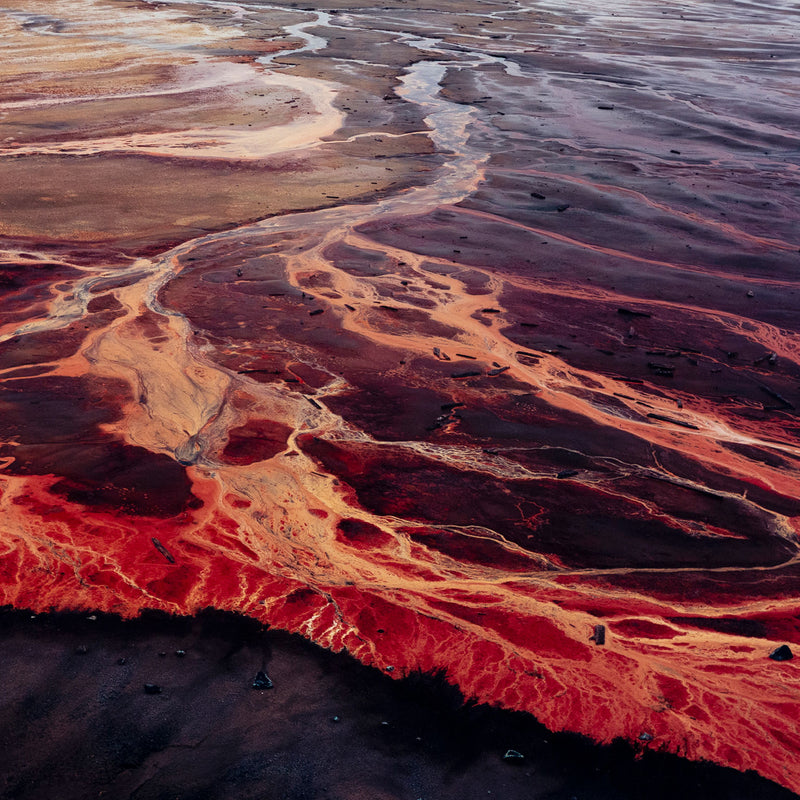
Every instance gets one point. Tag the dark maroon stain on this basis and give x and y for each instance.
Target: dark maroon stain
(52, 424)
(258, 440)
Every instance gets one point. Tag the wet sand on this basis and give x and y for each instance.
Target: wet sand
(437, 336)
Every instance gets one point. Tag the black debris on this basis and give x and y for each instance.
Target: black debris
(163, 550)
(152, 688)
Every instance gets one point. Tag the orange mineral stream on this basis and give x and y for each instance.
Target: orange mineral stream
(440, 337)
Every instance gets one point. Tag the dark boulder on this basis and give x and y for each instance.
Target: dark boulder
(782, 653)
(262, 681)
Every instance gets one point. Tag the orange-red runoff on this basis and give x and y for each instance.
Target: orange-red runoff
(443, 378)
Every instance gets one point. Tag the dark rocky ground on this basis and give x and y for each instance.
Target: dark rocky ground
(76, 722)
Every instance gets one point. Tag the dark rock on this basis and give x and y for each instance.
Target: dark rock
(163, 550)
(567, 473)
(467, 374)
(152, 688)
(562, 208)
(81, 649)
(628, 312)
(514, 756)
(782, 653)
(599, 635)
(679, 422)
(122, 661)
(262, 681)
(180, 653)
(645, 737)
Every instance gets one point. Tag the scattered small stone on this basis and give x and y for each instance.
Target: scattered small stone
(782, 653)
(122, 661)
(152, 688)
(390, 668)
(538, 196)
(92, 617)
(336, 719)
(513, 756)
(645, 737)
(262, 681)
(180, 653)
(162, 654)
(606, 108)
(562, 208)
(316, 311)
(677, 152)
(81, 649)
(751, 293)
